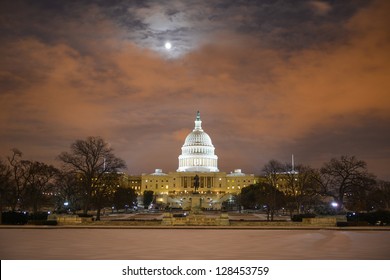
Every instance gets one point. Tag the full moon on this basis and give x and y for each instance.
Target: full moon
(168, 45)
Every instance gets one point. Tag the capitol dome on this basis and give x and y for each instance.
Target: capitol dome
(198, 151)
(198, 138)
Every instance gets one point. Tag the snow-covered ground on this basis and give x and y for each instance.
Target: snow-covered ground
(62, 243)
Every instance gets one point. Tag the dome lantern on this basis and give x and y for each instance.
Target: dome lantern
(198, 122)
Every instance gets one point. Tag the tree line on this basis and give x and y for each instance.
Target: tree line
(341, 184)
(89, 177)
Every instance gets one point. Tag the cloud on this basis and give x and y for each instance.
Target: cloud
(259, 95)
(320, 7)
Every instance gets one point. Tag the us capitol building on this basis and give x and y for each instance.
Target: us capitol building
(198, 157)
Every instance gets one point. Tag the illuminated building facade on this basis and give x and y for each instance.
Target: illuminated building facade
(198, 151)
(198, 157)
(133, 182)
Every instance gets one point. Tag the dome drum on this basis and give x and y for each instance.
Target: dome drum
(198, 150)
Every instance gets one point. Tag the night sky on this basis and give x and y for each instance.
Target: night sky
(270, 79)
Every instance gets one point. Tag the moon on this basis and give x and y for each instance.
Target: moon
(168, 45)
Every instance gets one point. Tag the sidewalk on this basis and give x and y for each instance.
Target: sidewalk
(91, 226)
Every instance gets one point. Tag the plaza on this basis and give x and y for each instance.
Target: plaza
(200, 243)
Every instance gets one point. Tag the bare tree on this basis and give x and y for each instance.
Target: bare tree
(344, 176)
(104, 192)
(90, 159)
(379, 197)
(29, 182)
(69, 191)
(5, 186)
(273, 172)
(264, 195)
(300, 187)
(384, 188)
(40, 179)
(18, 179)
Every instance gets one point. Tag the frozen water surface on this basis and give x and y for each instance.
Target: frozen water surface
(186, 244)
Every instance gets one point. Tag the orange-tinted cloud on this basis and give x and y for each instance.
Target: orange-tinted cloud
(257, 102)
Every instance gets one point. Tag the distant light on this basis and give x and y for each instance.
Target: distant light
(168, 45)
(48, 212)
(334, 204)
(66, 203)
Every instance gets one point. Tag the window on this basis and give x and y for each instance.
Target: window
(209, 182)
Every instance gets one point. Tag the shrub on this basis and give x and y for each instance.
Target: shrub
(382, 217)
(299, 217)
(85, 215)
(342, 224)
(14, 218)
(50, 223)
(38, 216)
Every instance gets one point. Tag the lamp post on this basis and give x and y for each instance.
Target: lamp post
(335, 206)
(66, 204)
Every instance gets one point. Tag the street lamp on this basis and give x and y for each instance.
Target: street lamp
(335, 206)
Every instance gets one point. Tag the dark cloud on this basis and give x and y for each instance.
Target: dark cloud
(354, 135)
(270, 78)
